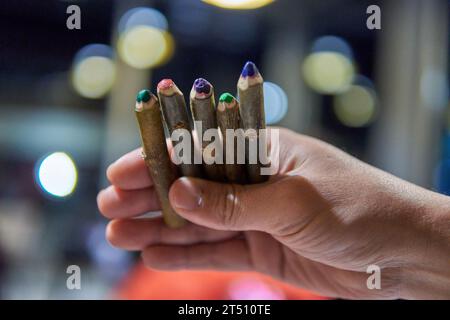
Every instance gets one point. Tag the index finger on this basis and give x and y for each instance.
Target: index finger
(129, 172)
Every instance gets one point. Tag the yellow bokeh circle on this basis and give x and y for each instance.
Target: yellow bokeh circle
(239, 4)
(144, 47)
(328, 72)
(94, 76)
(355, 107)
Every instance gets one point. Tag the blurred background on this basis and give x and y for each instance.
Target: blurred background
(66, 101)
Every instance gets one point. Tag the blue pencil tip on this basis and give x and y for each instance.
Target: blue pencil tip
(249, 70)
(202, 86)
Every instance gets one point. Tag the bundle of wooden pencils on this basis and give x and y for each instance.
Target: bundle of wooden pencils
(169, 110)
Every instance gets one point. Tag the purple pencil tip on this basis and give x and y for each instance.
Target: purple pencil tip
(202, 86)
(249, 70)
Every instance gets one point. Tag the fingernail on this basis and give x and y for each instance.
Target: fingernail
(186, 195)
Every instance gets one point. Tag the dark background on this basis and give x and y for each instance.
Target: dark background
(41, 235)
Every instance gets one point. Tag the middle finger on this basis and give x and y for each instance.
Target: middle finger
(115, 203)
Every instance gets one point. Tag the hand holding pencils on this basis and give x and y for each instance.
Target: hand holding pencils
(229, 119)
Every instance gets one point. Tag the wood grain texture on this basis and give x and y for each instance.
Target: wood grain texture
(228, 118)
(156, 157)
(203, 110)
(252, 117)
(176, 117)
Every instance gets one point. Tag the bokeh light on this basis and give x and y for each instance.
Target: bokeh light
(145, 47)
(433, 88)
(144, 41)
(332, 44)
(355, 107)
(329, 68)
(275, 103)
(94, 71)
(57, 174)
(142, 16)
(239, 4)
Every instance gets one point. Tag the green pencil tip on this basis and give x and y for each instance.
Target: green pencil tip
(143, 96)
(226, 97)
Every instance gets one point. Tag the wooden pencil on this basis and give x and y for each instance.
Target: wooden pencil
(228, 119)
(155, 154)
(203, 110)
(251, 98)
(173, 107)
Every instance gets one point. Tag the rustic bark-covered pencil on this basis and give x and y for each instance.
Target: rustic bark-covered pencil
(155, 154)
(176, 116)
(251, 98)
(228, 118)
(203, 110)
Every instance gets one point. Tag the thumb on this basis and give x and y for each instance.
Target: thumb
(265, 207)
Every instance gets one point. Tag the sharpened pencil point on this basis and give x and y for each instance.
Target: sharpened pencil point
(226, 97)
(143, 96)
(165, 84)
(249, 70)
(202, 86)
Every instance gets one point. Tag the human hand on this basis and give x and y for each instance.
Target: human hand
(318, 224)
